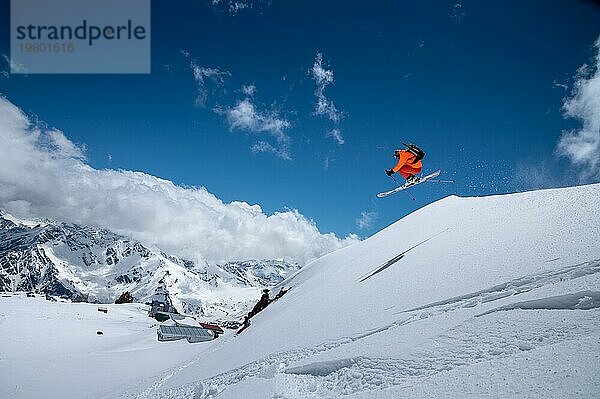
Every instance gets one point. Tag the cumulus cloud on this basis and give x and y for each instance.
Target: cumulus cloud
(203, 76)
(43, 174)
(366, 219)
(63, 147)
(582, 146)
(324, 106)
(245, 116)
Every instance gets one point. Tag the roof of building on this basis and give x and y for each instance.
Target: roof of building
(213, 327)
(192, 334)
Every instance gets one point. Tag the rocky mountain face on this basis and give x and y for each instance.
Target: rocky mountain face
(259, 273)
(95, 265)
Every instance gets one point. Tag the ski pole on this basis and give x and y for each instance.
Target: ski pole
(440, 181)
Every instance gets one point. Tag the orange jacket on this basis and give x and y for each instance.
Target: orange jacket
(407, 157)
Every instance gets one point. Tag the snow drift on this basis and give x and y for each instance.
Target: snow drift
(422, 322)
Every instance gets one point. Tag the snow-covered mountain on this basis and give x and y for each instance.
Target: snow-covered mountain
(490, 297)
(89, 264)
(259, 273)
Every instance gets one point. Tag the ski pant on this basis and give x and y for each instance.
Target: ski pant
(406, 170)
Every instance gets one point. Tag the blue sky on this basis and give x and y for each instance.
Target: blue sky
(478, 85)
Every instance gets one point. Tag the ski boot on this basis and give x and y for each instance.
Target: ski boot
(412, 179)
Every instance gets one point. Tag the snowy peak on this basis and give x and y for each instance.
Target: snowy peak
(259, 273)
(87, 263)
(73, 261)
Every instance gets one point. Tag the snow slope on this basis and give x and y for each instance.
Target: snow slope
(52, 349)
(468, 297)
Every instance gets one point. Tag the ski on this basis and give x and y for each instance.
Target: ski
(408, 185)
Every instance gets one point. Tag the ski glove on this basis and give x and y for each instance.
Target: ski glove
(389, 172)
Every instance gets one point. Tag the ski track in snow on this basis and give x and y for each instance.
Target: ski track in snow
(474, 341)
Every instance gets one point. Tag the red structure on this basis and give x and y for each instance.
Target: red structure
(218, 330)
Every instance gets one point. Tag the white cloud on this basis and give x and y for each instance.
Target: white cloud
(337, 136)
(328, 108)
(324, 78)
(249, 90)
(246, 117)
(560, 85)
(63, 147)
(14, 66)
(582, 146)
(232, 7)
(5, 73)
(366, 219)
(203, 75)
(235, 6)
(43, 174)
(324, 106)
(457, 13)
(263, 146)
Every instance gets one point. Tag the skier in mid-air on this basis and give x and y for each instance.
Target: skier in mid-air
(409, 163)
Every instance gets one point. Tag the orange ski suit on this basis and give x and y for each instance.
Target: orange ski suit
(405, 165)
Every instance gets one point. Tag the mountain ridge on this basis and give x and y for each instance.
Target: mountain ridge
(84, 263)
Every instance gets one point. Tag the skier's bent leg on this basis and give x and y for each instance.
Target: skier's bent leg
(404, 172)
(409, 170)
